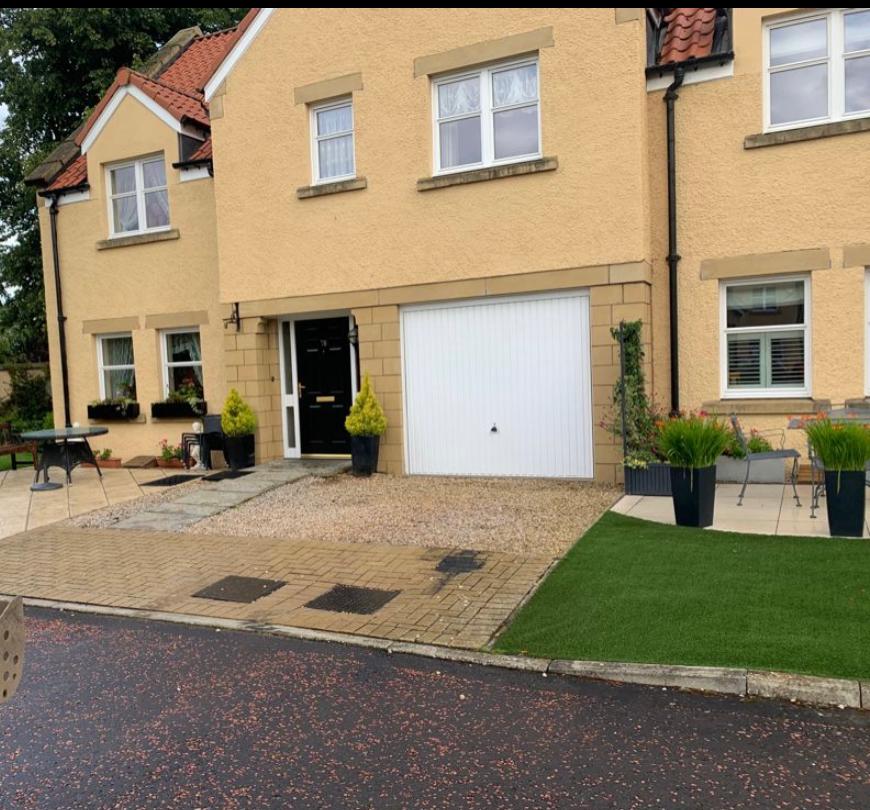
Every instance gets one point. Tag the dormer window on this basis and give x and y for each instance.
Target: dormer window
(138, 197)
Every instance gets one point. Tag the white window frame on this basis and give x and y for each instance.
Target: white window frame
(164, 355)
(835, 60)
(724, 331)
(139, 192)
(332, 104)
(867, 331)
(487, 136)
(102, 368)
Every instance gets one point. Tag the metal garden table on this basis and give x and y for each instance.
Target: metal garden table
(65, 448)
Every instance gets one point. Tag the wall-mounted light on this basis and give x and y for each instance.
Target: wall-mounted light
(353, 335)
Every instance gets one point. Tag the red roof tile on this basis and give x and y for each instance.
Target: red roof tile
(190, 72)
(203, 153)
(689, 34)
(73, 176)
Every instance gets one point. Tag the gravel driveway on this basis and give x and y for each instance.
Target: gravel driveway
(526, 516)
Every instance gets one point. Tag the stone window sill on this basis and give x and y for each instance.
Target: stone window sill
(762, 407)
(138, 239)
(546, 164)
(322, 189)
(784, 136)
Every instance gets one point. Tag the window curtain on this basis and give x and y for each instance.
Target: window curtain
(516, 86)
(157, 208)
(335, 156)
(126, 214)
(119, 382)
(185, 347)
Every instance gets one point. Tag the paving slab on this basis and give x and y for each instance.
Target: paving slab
(159, 521)
(214, 497)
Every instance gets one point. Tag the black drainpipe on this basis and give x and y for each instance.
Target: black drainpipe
(671, 96)
(61, 318)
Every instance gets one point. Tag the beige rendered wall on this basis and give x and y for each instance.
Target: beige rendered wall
(134, 281)
(590, 211)
(737, 202)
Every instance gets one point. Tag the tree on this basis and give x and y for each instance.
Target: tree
(55, 64)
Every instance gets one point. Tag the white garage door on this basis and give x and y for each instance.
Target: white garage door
(499, 386)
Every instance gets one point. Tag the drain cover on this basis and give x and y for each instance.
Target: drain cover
(350, 599)
(223, 475)
(171, 480)
(462, 562)
(239, 589)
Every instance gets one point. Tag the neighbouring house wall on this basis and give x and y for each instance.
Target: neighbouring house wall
(139, 282)
(758, 203)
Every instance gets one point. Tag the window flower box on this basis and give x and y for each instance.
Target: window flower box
(113, 411)
(185, 409)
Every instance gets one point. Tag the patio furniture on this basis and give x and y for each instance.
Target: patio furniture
(211, 438)
(782, 453)
(65, 448)
(11, 444)
(11, 647)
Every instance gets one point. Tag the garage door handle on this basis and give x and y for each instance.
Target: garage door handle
(494, 428)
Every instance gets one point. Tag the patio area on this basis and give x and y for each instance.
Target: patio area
(766, 509)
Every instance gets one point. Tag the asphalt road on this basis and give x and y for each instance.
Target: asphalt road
(125, 714)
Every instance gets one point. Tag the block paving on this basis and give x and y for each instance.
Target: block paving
(153, 570)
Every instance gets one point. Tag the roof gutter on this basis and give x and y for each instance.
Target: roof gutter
(670, 99)
(61, 317)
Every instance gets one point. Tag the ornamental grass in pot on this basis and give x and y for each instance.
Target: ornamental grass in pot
(238, 423)
(366, 424)
(844, 450)
(691, 445)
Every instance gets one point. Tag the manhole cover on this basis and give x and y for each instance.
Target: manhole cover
(239, 589)
(223, 475)
(171, 480)
(462, 562)
(350, 599)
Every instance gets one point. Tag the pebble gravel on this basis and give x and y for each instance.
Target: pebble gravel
(520, 516)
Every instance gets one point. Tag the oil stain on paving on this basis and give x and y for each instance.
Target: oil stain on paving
(239, 589)
(352, 599)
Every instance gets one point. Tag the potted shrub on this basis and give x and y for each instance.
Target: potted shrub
(844, 450)
(366, 424)
(731, 465)
(170, 455)
(238, 423)
(113, 410)
(692, 444)
(183, 402)
(634, 419)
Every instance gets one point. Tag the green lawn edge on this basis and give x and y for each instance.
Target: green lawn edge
(634, 591)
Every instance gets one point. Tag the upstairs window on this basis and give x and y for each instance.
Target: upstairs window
(138, 197)
(818, 69)
(486, 117)
(332, 148)
(765, 338)
(116, 367)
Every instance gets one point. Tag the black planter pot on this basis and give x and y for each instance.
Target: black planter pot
(693, 490)
(844, 497)
(178, 410)
(654, 479)
(113, 413)
(364, 454)
(239, 451)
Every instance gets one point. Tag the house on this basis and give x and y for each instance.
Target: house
(463, 204)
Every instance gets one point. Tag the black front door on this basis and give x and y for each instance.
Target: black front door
(325, 395)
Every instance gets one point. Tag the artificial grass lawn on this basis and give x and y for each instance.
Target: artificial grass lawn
(631, 590)
(24, 460)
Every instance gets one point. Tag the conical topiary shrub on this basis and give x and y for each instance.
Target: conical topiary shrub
(238, 423)
(366, 424)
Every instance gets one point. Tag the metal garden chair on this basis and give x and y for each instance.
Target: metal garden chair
(781, 452)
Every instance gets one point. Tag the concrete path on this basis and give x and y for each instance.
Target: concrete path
(117, 713)
(21, 509)
(159, 570)
(213, 498)
(766, 509)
